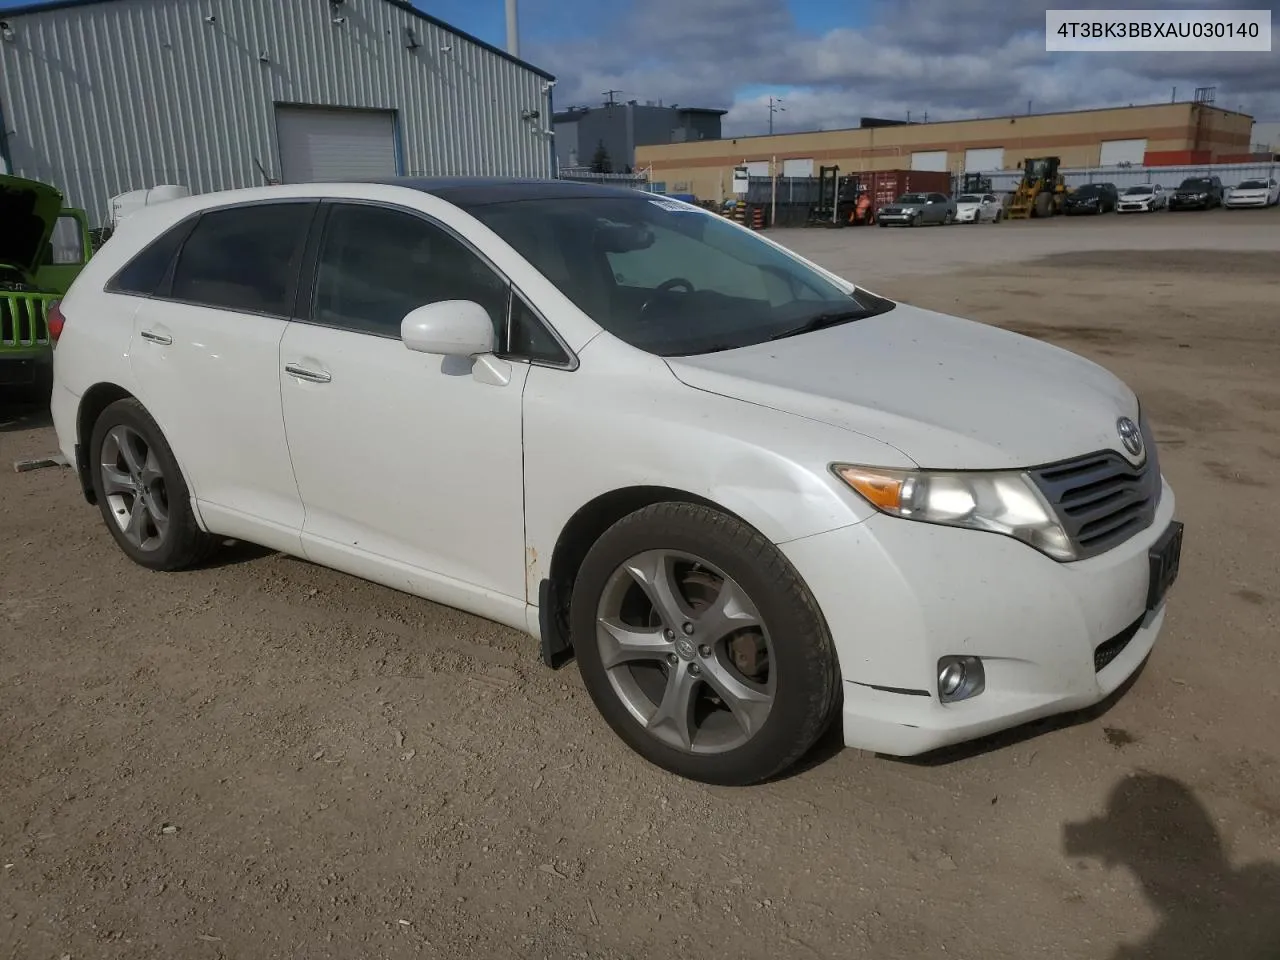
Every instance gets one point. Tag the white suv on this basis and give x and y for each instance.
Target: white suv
(746, 495)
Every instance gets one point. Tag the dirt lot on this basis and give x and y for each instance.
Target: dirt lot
(267, 759)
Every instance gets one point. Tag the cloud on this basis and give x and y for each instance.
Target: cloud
(951, 59)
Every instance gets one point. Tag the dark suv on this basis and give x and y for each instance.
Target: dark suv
(1197, 193)
(1092, 198)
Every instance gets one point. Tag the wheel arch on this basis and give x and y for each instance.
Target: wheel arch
(95, 400)
(575, 540)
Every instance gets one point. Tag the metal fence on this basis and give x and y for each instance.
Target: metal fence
(1006, 181)
(585, 175)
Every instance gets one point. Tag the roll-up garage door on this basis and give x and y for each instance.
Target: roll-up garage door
(758, 168)
(320, 144)
(980, 161)
(798, 167)
(1115, 152)
(929, 160)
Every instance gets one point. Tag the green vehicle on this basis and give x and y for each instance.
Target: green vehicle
(43, 247)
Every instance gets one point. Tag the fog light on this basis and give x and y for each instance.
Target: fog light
(960, 678)
(950, 678)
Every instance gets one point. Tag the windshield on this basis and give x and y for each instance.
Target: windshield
(1252, 185)
(969, 198)
(1196, 184)
(1088, 190)
(670, 279)
(912, 198)
(1134, 191)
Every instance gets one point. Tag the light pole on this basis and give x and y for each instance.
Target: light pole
(513, 28)
(775, 106)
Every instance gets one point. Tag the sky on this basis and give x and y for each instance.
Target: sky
(834, 61)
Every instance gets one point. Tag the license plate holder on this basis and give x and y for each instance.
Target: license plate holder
(1165, 559)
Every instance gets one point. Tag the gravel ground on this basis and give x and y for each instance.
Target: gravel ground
(267, 759)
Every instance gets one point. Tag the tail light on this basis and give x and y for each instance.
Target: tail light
(55, 320)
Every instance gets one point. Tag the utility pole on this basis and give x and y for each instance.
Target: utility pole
(775, 106)
(608, 95)
(513, 28)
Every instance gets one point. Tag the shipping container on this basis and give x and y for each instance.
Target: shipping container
(886, 186)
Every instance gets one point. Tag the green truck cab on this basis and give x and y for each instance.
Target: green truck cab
(43, 247)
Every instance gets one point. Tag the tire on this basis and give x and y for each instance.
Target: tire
(948, 219)
(140, 459)
(916, 220)
(801, 680)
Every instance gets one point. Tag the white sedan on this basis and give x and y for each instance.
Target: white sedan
(979, 208)
(748, 496)
(1143, 198)
(1254, 193)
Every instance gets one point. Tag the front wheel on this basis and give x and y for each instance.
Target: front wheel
(141, 492)
(948, 218)
(701, 646)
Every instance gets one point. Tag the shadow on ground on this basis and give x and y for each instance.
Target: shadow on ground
(1155, 827)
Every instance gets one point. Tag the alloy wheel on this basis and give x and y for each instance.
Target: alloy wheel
(135, 489)
(686, 652)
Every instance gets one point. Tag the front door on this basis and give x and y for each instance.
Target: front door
(408, 463)
(206, 358)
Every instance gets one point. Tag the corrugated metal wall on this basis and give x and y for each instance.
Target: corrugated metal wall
(1006, 181)
(113, 96)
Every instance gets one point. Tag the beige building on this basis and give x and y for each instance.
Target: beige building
(1158, 134)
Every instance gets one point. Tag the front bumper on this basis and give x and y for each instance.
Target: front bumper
(1246, 202)
(898, 595)
(1134, 208)
(1188, 203)
(1080, 208)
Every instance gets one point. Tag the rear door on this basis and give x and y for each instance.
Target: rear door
(206, 358)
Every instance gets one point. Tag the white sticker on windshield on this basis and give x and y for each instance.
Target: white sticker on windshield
(675, 206)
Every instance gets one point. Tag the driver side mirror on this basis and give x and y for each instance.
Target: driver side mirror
(450, 328)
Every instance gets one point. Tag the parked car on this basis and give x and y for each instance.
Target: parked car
(979, 207)
(1143, 198)
(1262, 192)
(628, 427)
(43, 246)
(1092, 198)
(915, 209)
(1197, 193)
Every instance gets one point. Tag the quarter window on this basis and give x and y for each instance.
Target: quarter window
(144, 274)
(377, 264)
(244, 258)
(529, 339)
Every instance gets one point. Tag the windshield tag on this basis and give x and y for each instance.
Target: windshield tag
(675, 206)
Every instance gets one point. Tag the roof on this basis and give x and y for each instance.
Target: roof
(43, 6)
(481, 191)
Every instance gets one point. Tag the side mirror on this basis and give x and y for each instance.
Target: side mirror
(450, 328)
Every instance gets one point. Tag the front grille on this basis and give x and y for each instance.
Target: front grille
(1108, 650)
(22, 319)
(1101, 499)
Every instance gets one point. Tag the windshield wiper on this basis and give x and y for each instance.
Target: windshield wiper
(823, 320)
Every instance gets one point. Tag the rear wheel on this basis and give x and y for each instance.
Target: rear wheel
(701, 646)
(141, 492)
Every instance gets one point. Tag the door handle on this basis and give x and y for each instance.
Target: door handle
(153, 337)
(311, 376)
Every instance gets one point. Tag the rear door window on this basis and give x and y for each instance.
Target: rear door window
(244, 258)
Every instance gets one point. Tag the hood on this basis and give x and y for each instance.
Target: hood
(1088, 198)
(29, 210)
(949, 393)
(1250, 191)
(968, 204)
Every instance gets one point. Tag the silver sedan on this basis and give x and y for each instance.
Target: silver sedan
(916, 209)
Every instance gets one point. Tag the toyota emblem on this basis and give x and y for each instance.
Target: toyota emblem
(1130, 436)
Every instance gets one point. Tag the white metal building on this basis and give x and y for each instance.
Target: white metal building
(99, 97)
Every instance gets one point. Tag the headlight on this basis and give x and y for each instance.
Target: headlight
(1006, 502)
